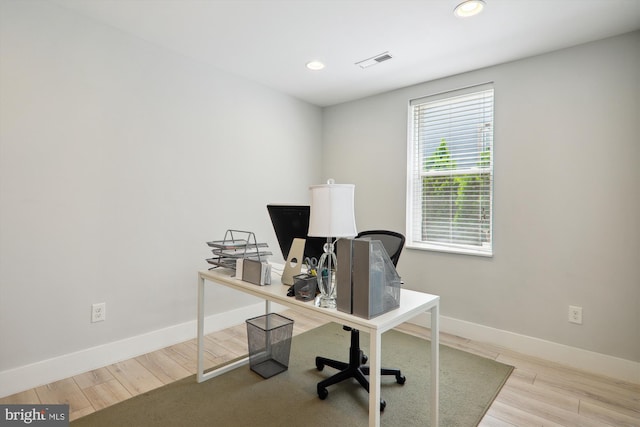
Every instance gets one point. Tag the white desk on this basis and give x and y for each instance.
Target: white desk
(411, 304)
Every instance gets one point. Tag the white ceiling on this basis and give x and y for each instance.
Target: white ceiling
(270, 41)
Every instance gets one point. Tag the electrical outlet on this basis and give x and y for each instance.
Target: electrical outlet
(98, 312)
(575, 314)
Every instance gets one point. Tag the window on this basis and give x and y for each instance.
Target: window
(450, 172)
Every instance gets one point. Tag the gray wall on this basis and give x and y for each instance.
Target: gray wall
(567, 203)
(118, 160)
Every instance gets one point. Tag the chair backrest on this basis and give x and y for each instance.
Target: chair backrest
(393, 242)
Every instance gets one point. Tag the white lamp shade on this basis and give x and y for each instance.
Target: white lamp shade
(332, 211)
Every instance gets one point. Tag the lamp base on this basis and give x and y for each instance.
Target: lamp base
(327, 276)
(327, 301)
(327, 284)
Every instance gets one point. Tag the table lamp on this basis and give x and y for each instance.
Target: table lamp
(332, 216)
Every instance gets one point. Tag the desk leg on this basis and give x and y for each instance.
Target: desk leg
(200, 328)
(435, 364)
(200, 374)
(375, 338)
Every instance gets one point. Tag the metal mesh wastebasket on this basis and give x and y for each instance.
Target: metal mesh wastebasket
(269, 339)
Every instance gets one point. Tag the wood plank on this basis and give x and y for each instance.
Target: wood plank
(185, 354)
(238, 331)
(627, 390)
(529, 391)
(81, 413)
(106, 394)
(134, 377)
(610, 414)
(489, 421)
(64, 392)
(523, 376)
(213, 344)
(160, 364)
(517, 417)
(92, 378)
(23, 398)
(588, 388)
(233, 344)
(546, 411)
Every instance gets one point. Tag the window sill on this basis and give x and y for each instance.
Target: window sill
(450, 249)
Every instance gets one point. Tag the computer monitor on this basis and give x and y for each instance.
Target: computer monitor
(290, 222)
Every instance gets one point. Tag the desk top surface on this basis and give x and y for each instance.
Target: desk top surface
(412, 303)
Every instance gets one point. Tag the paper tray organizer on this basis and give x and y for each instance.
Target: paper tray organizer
(237, 244)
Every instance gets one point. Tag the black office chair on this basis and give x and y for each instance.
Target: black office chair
(393, 243)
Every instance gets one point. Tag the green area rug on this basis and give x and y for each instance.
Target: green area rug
(468, 385)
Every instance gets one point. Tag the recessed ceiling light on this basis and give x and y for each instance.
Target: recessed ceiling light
(469, 8)
(315, 65)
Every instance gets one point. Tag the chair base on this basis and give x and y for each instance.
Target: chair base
(355, 368)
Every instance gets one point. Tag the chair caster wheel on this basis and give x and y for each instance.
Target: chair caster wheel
(364, 359)
(319, 365)
(383, 405)
(322, 393)
(401, 379)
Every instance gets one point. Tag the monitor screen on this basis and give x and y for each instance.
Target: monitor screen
(291, 221)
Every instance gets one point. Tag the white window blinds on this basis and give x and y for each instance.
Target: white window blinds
(450, 167)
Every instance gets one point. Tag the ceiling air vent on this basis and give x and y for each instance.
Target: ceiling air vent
(366, 63)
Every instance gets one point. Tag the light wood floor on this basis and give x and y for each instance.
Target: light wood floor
(538, 393)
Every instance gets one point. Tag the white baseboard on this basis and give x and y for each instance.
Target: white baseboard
(57, 368)
(578, 358)
(65, 366)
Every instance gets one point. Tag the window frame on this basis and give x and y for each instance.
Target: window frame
(416, 174)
